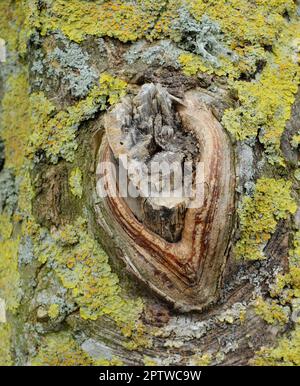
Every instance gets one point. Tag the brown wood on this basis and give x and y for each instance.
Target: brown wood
(188, 272)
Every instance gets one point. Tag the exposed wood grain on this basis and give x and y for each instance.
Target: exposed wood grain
(187, 273)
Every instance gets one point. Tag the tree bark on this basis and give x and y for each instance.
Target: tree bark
(88, 280)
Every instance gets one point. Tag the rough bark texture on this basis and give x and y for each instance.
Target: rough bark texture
(85, 280)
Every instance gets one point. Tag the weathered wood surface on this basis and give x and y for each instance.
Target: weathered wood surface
(187, 272)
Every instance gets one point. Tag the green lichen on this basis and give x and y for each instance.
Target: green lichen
(294, 256)
(55, 132)
(14, 130)
(83, 268)
(9, 275)
(271, 312)
(285, 291)
(60, 349)
(287, 352)
(5, 355)
(148, 361)
(105, 362)
(71, 251)
(287, 286)
(15, 126)
(201, 360)
(165, 53)
(266, 101)
(260, 214)
(13, 27)
(139, 337)
(119, 19)
(75, 182)
(193, 64)
(257, 22)
(6, 227)
(296, 140)
(53, 311)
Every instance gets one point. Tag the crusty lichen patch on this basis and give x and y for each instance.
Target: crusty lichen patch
(260, 214)
(13, 28)
(286, 353)
(271, 311)
(14, 129)
(118, 19)
(287, 286)
(5, 355)
(75, 182)
(53, 311)
(55, 132)
(15, 121)
(9, 278)
(285, 294)
(262, 38)
(265, 103)
(61, 349)
(83, 268)
(256, 21)
(31, 124)
(294, 256)
(201, 360)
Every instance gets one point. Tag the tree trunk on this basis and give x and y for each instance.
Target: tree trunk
(210, 278)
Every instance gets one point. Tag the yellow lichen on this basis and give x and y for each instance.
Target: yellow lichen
(53, 311)
(6, 227)
(286, 353)
(259, 215)
(111, 89)
(287, 286)
(83, 268)
(270, 311)
(296, 140)
(149, 361)
(118, 19)
(243, 314)
(5, 355)
(105, 362)
(56, 135)
(266, 101)
(60, 349)
(138, 336)
(201, 360)
(26, 194)
(15, 120)
(294, 257)
(246, 21)
(13, 27)
(75, 182)
(81, 264)
(285, 291)
(14, 129)
(37, 119)
(9, 275)
(192, 64)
